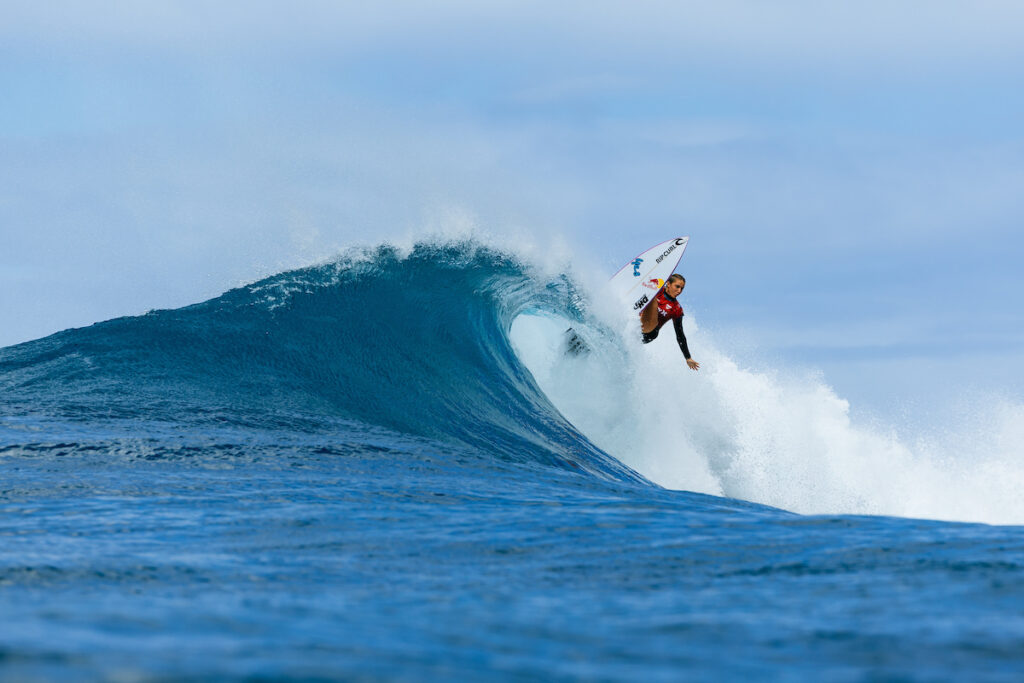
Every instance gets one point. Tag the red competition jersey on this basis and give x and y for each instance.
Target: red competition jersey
(668, 308)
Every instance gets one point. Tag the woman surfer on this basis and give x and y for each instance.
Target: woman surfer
(664, 307)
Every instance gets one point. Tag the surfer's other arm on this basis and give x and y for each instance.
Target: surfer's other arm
(681, 338)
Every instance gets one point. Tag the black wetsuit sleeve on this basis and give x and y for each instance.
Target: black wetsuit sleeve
(680, 337)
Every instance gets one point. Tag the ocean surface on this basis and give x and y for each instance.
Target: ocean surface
(387, 467)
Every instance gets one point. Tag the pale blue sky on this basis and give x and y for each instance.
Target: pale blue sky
(851, 173)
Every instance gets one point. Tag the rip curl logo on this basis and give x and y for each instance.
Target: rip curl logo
(636, 266)
(667, 252)
(654, 283)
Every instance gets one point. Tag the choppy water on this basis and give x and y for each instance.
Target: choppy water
(286, 482)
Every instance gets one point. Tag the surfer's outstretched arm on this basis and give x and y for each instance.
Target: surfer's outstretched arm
(681, 338)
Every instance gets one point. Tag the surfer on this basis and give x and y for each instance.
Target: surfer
(664, 307)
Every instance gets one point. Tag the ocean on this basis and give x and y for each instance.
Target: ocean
(387, 467)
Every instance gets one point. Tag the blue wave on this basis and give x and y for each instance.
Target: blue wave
(414, 343)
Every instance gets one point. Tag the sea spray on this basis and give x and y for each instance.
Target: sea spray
(770, 436)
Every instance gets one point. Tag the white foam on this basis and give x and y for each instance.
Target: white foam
(778, 438)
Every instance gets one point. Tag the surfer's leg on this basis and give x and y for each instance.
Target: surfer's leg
(649, 317)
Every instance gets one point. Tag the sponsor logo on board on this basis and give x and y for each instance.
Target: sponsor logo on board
(636, 266)
(640, 304)
(680, 241)
(667, 252)
(654, 283)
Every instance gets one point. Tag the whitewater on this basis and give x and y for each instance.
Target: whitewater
(386, 465)
(762, 436)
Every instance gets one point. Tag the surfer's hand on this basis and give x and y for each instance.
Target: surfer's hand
(693, 365)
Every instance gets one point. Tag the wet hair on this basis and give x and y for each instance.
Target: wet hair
(675, 276)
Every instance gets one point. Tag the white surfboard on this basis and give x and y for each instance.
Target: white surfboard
(641, 278)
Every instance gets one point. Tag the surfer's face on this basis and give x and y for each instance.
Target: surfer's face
(673, 288)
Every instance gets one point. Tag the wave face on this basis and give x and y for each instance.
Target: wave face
(414, 343)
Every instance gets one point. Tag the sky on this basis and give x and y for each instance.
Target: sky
(850, 173)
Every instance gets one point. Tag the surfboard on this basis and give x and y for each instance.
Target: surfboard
(642, 277)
